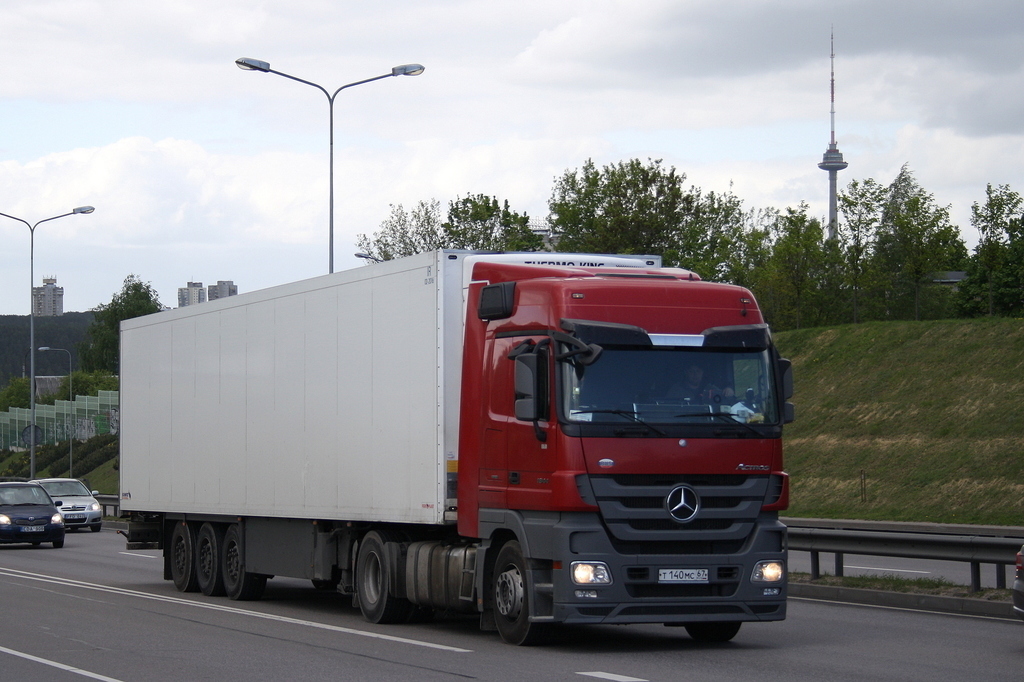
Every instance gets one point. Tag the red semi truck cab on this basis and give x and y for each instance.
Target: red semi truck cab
(620, 440)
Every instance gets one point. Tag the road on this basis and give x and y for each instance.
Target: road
(93, 610)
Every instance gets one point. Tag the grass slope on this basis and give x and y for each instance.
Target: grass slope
(929, 413)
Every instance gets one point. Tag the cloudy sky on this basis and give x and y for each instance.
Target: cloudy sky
(200, 171)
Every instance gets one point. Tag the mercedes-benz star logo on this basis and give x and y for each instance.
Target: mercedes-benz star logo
(682, 503)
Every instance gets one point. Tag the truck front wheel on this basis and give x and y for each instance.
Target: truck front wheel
(373, 580)
(511, 598)
(183, 565)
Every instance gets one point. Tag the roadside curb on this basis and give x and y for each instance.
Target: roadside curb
(905, 600)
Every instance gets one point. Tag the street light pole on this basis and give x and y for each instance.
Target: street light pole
(247, 64)
(71, 406)
(32, 326)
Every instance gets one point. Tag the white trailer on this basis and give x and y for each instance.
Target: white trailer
(334, 397)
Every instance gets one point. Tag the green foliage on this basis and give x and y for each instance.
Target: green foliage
(995, 274)
(475, 222)
(914, 239)
(100, 350)
(795, 267)
(53, 460)
(860, 208)
(15, 394)
(405, 233)
(479, 222)
(927, 411)
(627, 207)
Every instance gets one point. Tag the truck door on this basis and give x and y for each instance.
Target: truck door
(522, 468)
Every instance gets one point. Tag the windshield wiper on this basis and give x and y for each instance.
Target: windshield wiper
(631, 415)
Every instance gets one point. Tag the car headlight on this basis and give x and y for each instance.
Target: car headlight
(768, 572)
(5, 520)
(95, 506)
(590, 573)
(57, 518)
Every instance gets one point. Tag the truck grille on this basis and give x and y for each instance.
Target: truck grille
(634, 510)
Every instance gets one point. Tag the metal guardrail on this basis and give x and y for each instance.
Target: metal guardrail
(110, 504)
(975, 545)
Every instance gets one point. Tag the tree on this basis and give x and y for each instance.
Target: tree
(993, 222)
(627, 207)
(404, 233)
(15, 394)
(795, 265)
(100, 351)
(914, 239)
(750, 254)
(479, 222)
(710, 231)
(861, 207)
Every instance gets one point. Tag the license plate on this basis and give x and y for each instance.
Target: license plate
(32, 529)
(74, 517)
(682, 575)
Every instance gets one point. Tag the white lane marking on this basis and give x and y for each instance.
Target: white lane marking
(892, 570)
(145, 556)
(61, 666)
(613, 676)
(226, 609)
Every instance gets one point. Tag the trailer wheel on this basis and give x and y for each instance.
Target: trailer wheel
(239, 584)
(208, 550)
(183, 565)
(713, 632)
(373, 580)
(511, 598)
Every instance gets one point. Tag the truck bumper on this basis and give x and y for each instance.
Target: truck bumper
(721, 586)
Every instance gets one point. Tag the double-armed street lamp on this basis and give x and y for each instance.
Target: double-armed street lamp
(32, 326)
(248, 64)
(71, 406)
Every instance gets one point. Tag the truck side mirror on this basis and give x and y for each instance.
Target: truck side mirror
(787, 378)
(497, 301)
(788, 411)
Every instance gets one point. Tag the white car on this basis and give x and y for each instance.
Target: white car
(79, 508)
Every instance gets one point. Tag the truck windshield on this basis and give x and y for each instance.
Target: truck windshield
(671, 385)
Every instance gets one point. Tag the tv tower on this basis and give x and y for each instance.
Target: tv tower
(832, 160)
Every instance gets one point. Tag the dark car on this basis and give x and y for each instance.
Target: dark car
(28, 514)
(1018, 586)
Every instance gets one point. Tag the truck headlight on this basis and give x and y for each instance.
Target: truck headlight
(768, 572)
(590, 573)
